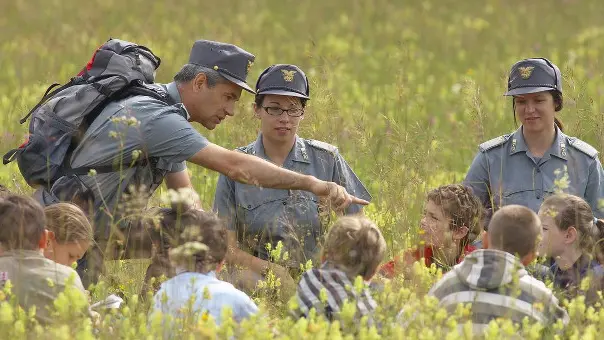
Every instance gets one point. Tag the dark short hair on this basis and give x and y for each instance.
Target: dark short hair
(194, 226)
(22, 222)
(189, 71)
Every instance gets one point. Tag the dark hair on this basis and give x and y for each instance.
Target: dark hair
(260, 98)
(463, 208)
(22, 222)
(558, 101)
(189, 71)
(196, 240)
(514, 229)
(573, 211)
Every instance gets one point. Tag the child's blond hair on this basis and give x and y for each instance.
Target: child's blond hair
(355, 245)
(68, 222)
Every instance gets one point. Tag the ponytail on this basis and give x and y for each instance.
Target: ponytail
(599, 248)
(559, 124)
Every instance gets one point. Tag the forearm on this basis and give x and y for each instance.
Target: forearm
(238, 257)
(256, 171)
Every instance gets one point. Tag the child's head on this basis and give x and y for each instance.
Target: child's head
(22, 224)
(452, 217)
(515, 229)
(568, 224)
(355, 245)
(197, 240)
(70, 233)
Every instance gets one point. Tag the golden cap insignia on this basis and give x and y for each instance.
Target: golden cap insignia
(249, 66)
(288, 75)
(526, 71)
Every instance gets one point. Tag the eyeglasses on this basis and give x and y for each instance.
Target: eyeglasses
(277, 111)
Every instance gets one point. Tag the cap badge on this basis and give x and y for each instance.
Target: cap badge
(249, 66)
(526, 71)
(288, 75)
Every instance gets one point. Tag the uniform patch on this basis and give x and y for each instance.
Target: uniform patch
(488, 145)
(288, 75)
(526, 71)
(583, 147)
(322, 146)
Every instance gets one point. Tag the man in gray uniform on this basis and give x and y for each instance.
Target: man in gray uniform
(256, 216)
(204, 91)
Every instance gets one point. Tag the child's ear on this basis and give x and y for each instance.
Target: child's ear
(528, 258)
(47, 235)
(219, 266)
(485, 240)
(460, 233)
(571, 235)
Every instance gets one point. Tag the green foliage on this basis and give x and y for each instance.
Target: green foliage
(405, 90)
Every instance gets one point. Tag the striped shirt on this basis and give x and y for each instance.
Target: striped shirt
(338, 289)
(496, 285)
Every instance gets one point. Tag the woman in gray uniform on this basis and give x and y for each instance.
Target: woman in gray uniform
(531, 163)
(256, 216)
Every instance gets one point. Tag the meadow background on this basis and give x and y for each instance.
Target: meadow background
(406, 89)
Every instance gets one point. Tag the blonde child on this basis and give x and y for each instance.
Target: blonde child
(70, 233)
(573, 239)
(354, 247)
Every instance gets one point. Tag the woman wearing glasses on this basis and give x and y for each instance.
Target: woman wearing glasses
(258, 216)
(527, 165)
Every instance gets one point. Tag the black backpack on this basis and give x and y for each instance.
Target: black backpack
(118, 69)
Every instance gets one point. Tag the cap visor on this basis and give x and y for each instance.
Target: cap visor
(525, 90)
(238, 82)
(284, 93)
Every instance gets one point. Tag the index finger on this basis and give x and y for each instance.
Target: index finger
(356, 200)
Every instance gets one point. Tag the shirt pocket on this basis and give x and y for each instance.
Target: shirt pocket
(528, 197)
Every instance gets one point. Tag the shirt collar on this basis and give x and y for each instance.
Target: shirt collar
(174, 94)
(557, 149)
(298, 153)
(22, 252)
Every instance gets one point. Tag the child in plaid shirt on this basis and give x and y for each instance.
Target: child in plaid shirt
(354, 247)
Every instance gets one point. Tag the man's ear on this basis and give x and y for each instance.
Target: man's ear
(199, 82)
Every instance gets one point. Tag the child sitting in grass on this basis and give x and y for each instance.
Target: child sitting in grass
(35, 280)
(354, 247)
(70, 233)
(494, 281)
(198, 246)
(573, 239)
(451, 221)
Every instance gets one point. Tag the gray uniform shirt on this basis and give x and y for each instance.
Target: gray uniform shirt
(505, 172)
(161, 131)
(262, 215)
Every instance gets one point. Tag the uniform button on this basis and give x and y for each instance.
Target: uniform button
(284, 203)
(249, 206)
(538, 170)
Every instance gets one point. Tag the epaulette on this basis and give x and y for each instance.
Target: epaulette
(488, 145)
(317, 144)
(583, 147)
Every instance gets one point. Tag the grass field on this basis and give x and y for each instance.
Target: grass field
(405, 89)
